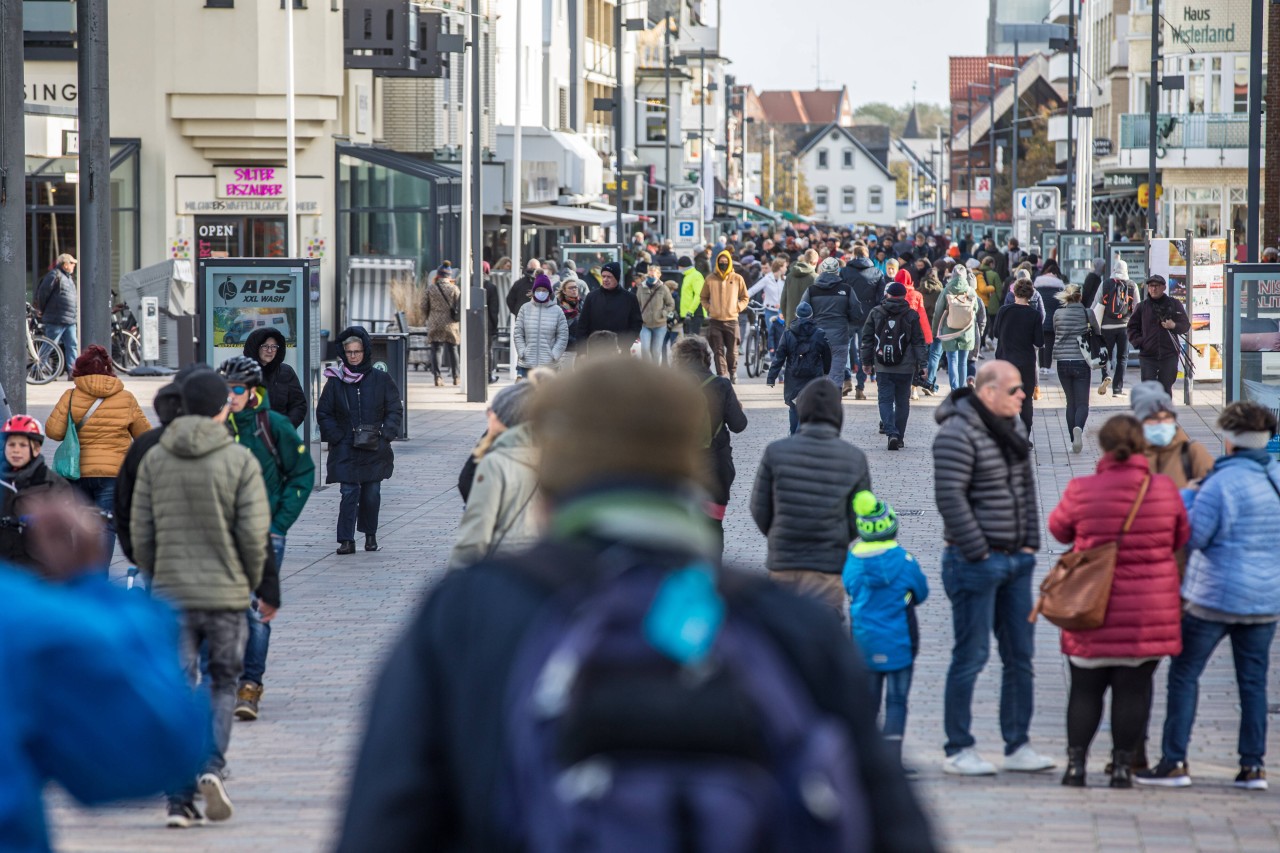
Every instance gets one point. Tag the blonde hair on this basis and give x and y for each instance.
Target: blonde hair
(777, 264)
(811, 257)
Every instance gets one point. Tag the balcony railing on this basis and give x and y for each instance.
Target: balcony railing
(1194, 130)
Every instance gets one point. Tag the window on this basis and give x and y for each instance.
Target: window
(848, 158)
(221, 4)
(848, 198)
(655, 119)
(875, 199)
(562, 106)
(822, 158)
(820, 199)
(1240, 86)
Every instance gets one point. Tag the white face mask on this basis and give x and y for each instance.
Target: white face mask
(542, 294)
(1160, 434)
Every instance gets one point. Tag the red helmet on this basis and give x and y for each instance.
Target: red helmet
(23, 425)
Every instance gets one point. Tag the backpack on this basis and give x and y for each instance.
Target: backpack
(806, 361)
(960, 311)
(892, 336)
(1117, 301)
(711, 433)
(643, 716)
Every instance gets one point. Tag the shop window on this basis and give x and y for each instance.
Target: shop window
(655, 120)
(1240, 86)
(849, 199)
(820, 199)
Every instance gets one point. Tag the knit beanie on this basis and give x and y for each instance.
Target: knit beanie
(204, 393)
(613, 268)
(829, 264)
(1148, 399)
(819, 402)
(877, 522)
(897, 289)
(510, 405)
(168, 402)
(804, 310)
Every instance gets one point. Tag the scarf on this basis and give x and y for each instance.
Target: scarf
(1003, 430)
(344, 373)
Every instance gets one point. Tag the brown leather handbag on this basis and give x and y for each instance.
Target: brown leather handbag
(1075, 593)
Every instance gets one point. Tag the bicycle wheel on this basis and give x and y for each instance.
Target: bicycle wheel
(47, 364)
(126, 350)
(751, 354)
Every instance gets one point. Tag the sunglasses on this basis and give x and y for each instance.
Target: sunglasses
(238, 389)
(1015, 389)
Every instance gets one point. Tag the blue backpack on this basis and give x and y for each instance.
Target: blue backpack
(710, 744)
(806, 362)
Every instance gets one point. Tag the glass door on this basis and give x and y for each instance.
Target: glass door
(268, 237)
(219, 236)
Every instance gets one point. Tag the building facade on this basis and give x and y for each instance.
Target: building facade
(848, 184)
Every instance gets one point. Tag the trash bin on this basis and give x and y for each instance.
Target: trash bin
(391, 353)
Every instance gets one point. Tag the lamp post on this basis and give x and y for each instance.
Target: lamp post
(746, 121)
(991, 154)
(666, 136)
(1013, 133)
(1254, 238)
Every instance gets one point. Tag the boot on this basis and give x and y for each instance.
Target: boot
(1075, 775)
(859, 394)
(455, 379)
(1121, 768)
(370, 542)
(847, 389)
(438, 382)
(347, 546)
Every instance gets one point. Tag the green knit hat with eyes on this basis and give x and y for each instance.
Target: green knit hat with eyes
(876, 519)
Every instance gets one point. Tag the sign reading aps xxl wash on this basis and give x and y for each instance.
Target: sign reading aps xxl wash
(241, 296)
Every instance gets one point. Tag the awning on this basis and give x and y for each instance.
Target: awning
(564, 215)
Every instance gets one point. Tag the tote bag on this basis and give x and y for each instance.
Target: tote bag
(66, 459)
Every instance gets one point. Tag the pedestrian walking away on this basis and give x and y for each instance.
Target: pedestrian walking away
(1117, 297)
(441, 305)
(868, 284)
(955, 325)
(1019, 333)
(893, 345)
(359, 413)
(1072, 326)
(1155, 330)
(835, 310)
(1124, 503)
(800, 277)
(985, 490)
(803, 356)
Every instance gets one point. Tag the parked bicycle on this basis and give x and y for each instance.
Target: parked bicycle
(756, 351)
(126, 346)
(45, 359)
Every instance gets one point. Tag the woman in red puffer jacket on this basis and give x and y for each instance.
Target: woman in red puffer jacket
(916, 300)
(1144, 613)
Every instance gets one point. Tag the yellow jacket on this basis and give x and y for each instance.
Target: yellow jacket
(107, 435)
(724, 297)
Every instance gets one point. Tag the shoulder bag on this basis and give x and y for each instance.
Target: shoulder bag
(1075, 593)
(364, 436)
(66, 459)
(454, 310)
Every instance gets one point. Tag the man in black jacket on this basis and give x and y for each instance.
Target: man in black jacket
(904, 341)
(168, 405)
(868, 285)
(1155, 328)
(611, 308)
(986, 492)
(803, 499)
(522, 288)
(57, 304)
(621, 443)
(284, 390)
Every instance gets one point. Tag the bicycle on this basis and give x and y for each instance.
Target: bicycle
(45, 359)
(757, 344)
(126, 346)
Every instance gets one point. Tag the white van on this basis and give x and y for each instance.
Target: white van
(247, 323)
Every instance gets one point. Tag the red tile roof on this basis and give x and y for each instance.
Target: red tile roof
(792, 106)
(971, 69)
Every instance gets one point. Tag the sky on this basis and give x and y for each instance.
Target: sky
(875, 48)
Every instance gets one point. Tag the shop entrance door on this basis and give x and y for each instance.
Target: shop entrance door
(241, 236)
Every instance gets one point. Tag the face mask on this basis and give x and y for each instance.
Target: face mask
(1160, 434)
(723, 266)
(542, 294)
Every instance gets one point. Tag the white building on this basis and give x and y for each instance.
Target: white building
(848, 185)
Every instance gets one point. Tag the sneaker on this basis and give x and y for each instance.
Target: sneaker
(184, 816)
(1104, 385)
(895, 443)
(216, 802)
(847, 388)
(915, 394)
(247, 699)
(1077, 439)
(1118, 391)
(1252, 779)
(1026, 760)
(967, 762)
(1035, 395)
(1044, 371)
(1166, 774)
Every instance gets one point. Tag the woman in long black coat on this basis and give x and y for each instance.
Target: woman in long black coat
(356, 395)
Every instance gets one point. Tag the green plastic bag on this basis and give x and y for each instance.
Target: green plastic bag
(66, 459)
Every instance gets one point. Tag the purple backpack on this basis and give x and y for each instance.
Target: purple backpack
(615, 746)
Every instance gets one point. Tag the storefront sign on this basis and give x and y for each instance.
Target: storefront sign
(1213, 24)
(250, 182)
(199, 195)
(57, 90)
(1125, 180)
(1101, 147)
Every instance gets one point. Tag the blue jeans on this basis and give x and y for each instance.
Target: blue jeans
(67, 338)
(891, 689)
(651, 342)
(958, 368)
(255, 651)
(1251, 649)
(855, 360)
(935, 358)
(893, 393)
(772, 329)
(359, 509)
(794, 417)
(993, 595)
(101, 492)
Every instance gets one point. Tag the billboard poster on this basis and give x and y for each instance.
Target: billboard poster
(1251, 329)
(1199, 287)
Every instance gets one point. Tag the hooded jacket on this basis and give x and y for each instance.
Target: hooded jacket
(800, 331)
(16, 488)
(1181, 460)
(200, 517)
(691, 292)
(884, 583)
(500, 516)
(374, 400)
(897, 309)
(1144, 613)
(956, 340)
(802, 499)
(1152, 339)
(868, 284)
(916, 300)
(106, 436)
(280, 380)
(985, 494)
(725, 416)
(800, 277)
(835, 307)
(541, 333)
(724, 295)
(287, 473)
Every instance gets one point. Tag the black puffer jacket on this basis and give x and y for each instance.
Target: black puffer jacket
(803, 498)
(284, 390)
(868, 284)
(1146, 333)
(898, 310)
(343, 406)
(57, 299)
(726, 416)
(987, 497)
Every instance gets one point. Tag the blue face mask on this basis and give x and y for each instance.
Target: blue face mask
(1160, 434)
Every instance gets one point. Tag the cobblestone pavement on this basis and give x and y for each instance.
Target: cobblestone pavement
(290, 769)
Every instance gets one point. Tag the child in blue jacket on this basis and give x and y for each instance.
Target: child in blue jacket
(885, 584)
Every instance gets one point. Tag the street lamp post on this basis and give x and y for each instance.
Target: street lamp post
(746, 122)
(1153, 107)
(666, 136)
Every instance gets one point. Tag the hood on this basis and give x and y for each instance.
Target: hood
(828, 280)
(803, 267)
(903, 276)
(861, 263)
(803, 328)
(958, 285)
(930, 284)
(363, 335)
(726, 255)
(512, 439)
(193, 436)
(819, 402)
(98, 385)
(879, 570)
(257, 338)
(895, 305)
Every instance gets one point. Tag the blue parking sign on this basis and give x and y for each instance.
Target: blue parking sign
(686, 228)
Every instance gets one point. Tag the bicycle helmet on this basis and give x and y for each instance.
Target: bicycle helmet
(23, 425)
(241, 370)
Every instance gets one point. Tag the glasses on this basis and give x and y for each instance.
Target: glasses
(238, 389)
(1015, 389)
(354, 351)
(269, 348)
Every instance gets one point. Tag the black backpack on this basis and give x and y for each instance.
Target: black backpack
(892, 337)
(807, 360)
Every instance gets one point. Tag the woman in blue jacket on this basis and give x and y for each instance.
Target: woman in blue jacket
(1232, 589)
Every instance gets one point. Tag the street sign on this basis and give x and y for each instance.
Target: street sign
(981, 189)
(687, 230)
(687, 215)
(70, 143)
(150, 328)
(1035, 210)
(1101, 147)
